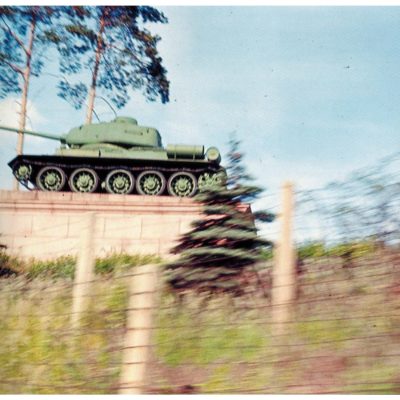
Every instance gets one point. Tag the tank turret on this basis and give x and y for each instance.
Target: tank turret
(118, 157)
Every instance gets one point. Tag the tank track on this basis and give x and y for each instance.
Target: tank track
(181, 178)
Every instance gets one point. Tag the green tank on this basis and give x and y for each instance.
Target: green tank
(118, 157)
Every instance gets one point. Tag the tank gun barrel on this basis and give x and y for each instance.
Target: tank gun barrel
(33, 133)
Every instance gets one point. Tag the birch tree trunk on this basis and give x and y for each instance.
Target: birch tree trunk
(25, 88)
(92, 90)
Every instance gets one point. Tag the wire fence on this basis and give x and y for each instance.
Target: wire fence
(341, 333)
(342, 337)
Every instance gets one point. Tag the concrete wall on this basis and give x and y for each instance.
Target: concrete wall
(47, 225)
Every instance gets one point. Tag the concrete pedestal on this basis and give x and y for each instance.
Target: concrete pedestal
(47, 225)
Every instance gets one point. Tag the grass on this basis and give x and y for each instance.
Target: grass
(205, 336)
(219, 346)
(40, 354)
(342, 343)
(64, 267)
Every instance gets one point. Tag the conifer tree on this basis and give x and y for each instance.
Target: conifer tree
(219, 252)
(22, 43)
(120, 53)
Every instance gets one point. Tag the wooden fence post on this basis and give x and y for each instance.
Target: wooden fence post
(16, 185)
(284, 270)
(84, 271)
(142, 300)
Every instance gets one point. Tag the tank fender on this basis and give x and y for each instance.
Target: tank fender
(185, 151)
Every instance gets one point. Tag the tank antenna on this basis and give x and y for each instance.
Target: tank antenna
(95, 113)
(109, 105)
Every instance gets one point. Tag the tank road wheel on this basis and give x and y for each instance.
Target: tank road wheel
(83, 180)
(182, 184)
(150, 183)
(120, 181)
(22, 172)
(211, 179)
(50, 179)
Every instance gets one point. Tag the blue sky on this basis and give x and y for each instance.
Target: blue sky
(313, 92)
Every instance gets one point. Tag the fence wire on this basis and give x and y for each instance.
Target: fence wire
(343, 336)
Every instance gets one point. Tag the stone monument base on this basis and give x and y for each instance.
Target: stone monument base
(47, 225)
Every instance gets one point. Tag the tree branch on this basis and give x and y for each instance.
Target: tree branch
(131, 53)
(13, 67)
(17, 39)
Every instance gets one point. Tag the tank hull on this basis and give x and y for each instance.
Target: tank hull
(103, 167)
(119, 157)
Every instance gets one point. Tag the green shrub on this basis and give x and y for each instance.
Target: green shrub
(311, 250)
(121, 261)
(64, 267)
(11, 263)
(353, 249)
(61, 267)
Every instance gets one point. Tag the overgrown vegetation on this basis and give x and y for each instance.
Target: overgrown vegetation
(355, 249)
(224, 347)
(64, 267)
(318, 250)
(40, 353)
(343, 335)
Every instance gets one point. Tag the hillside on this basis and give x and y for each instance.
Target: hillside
(343, 338)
